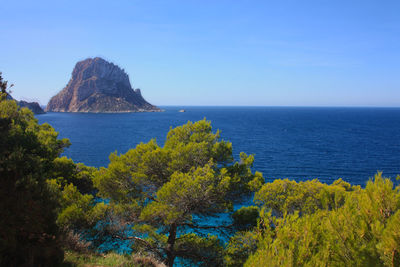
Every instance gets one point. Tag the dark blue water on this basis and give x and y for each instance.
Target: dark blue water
(288, 142)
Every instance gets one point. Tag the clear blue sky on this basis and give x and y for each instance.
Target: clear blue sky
(296, 53)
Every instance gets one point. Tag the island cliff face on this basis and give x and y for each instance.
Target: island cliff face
(99, 86)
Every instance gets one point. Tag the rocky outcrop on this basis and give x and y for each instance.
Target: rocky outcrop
(99, 86)
(34, 106)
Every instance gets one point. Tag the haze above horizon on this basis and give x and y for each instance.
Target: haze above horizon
(194, 53)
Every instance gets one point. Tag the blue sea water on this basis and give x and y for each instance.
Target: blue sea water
(288, 142)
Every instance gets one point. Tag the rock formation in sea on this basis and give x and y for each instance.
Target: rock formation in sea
(99, 86)
(34, 106)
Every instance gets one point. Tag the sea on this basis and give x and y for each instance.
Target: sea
(298, 143)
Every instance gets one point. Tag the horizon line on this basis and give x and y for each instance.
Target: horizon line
(278, 106)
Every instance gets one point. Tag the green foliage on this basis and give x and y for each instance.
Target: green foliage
(73, 185)
(389, 243)
(363, 230)
(167, 189)
(245, 218)
(29, 235)
(78, 211)
(81, 260)
(73, 259)
(4, 88)
(66, 172)
(240, 246)
(203, 251)
(286, 197)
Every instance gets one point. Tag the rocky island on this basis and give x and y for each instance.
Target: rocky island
(33, 106)
(99, 86)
